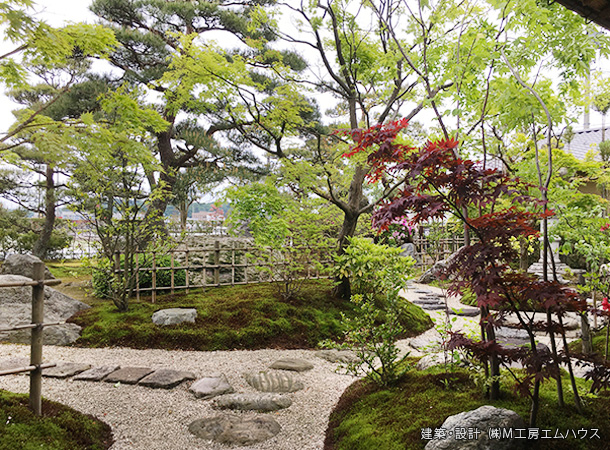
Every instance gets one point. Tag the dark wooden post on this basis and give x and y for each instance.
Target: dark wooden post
(154, 277)
(186, 257)
(217, 262)
(172, 274)
(36, 342)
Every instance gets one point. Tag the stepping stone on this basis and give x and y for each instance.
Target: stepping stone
(233, 430)
(427, 302)
(212, 386)
(273, 382)
(466, 312)
(419, 291)
(252, 402)
(336, 356)
(166, 378)
(65, 370)
(297, 365)
(96, 373)
(432, 307)
(128, 375)
(174, 316)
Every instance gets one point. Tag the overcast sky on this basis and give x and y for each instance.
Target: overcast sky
(59, 12)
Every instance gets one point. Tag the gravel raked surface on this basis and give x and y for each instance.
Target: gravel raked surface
(157, 419)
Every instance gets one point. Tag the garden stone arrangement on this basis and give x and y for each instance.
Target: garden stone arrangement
(16, 309)
(273, 387)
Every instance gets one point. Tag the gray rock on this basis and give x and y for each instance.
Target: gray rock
(212, 386)
(65, 370)
(235, 431)
(23, 265)
(482, 419)
(14, 363)
(336, 356)
(297, 365)
(437, 270)
(252, 402)
(166, 378)
(273, 382)
(96, 373)
(174, 316)
(431, 360)
(16, 309)
(409, 250)
(128, 375)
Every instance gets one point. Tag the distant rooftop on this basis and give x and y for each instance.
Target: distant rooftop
(585, 141)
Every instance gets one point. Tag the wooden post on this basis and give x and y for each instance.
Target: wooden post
(154, 277)
(36, 341)
(186, 252)
(137, 276)
(245, 250)
(232, 263)
(172, 274)
(217, 262)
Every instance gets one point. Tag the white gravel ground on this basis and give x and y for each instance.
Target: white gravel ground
(157, 419)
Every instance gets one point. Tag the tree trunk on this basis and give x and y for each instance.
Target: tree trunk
(41, 247)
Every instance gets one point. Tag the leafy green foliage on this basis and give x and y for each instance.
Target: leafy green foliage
(103, 274)
(375, 272)
(292, 238)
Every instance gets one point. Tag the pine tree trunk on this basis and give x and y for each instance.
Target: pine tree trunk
(41, 246)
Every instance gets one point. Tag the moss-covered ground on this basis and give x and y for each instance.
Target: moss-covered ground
(368, 417)
(59, 428)
(231, 317)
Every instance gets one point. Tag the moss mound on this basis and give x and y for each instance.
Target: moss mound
(231, 317)
(59, 428)
(368, 417)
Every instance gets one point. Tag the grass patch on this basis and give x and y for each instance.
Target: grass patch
(73, 269)
(230, 317)
(59, 428)
(599, 343)
(368, 417)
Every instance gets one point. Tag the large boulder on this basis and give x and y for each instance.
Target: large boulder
(490, 428)
(437, 270)
(409, 250)
(16, 309)
(23, 265)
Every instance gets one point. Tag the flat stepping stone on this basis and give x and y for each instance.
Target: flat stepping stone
(233, 430)
(128, 375)
(212, 386)
(273, 382)
(427, 302)
(419, 291)
(65, 370)
(466, 312)
(166, 378)
(294, 364)
(96, 373)
(336, 356)
(432, 307)
(174, 316)
(252, 402)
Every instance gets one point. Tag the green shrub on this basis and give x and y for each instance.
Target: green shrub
(377, 274)
(103, 275)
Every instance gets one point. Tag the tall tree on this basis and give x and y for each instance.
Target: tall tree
(158, 39)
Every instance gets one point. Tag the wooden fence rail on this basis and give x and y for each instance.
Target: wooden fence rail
(204, 267)
(35, 368)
